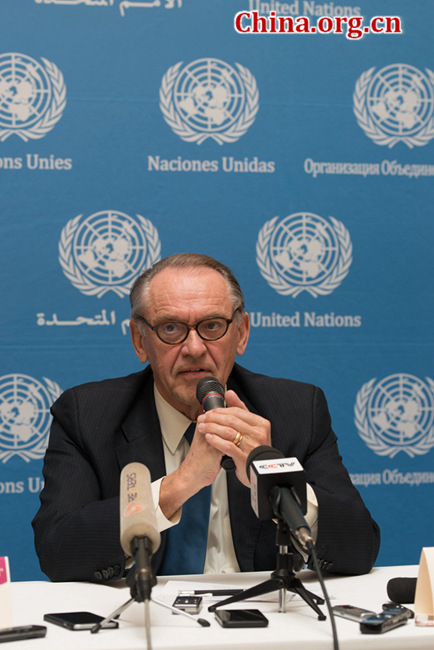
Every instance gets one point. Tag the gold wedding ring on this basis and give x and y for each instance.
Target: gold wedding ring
(238, 439)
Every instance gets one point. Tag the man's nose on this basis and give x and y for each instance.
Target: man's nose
(193, 344)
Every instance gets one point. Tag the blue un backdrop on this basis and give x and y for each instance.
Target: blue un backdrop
(133, 130)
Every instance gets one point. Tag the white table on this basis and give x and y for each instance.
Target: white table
(297, 628)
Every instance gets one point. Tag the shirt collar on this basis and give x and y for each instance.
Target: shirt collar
(173, 424)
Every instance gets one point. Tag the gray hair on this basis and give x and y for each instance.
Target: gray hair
(139, 294)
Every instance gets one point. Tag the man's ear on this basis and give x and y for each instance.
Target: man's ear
(243, 334)
(137, 341)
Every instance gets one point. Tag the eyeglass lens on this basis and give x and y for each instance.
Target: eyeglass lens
(210, 329)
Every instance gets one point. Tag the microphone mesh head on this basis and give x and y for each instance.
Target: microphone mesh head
(208, 385)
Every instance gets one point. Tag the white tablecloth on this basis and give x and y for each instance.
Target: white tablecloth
(297, 628)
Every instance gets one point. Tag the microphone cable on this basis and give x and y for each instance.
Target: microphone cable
(311, 548)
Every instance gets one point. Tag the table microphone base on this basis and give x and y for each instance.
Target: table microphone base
(283, 579)
(130, 601)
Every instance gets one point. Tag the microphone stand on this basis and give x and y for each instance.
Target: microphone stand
(282, 579)
(140, 580)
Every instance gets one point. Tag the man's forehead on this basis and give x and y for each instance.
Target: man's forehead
(189, 276)
(177, 286)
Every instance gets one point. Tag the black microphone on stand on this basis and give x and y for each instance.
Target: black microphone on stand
(211, 394)
(278, 488)
(139, 534)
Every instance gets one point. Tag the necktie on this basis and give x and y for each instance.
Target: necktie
(186, 542)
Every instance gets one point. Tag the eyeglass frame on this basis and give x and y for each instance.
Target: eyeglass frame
(154, 328)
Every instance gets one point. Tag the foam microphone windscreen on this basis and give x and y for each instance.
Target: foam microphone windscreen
(402, 590)
(137, 512)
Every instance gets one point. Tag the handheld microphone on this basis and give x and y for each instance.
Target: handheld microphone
(402, 590)
(139, 534)
(278, 488)
(210, 393)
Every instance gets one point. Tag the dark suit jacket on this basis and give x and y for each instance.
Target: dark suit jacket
(100, 427)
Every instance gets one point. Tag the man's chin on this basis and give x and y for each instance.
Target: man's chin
(185, 401)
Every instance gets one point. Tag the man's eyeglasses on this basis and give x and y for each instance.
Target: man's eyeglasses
(174, 332)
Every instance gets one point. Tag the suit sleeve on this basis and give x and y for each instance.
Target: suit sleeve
(77, 530)
(348, 538)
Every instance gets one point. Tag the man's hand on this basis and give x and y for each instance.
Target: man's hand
(234, 431)
(199, 468)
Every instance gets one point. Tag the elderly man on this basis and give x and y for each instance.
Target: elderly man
(188, 321)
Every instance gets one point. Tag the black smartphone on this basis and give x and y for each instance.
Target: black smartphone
(22, 632)
(78, 620)
(241, 618)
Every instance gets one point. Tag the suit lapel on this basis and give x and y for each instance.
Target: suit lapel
(142, 435)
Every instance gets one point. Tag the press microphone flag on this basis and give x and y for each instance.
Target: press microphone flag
(267, 467)
(278, 489)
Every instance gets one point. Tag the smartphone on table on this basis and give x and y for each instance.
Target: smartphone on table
(78, 620)
(240, 618)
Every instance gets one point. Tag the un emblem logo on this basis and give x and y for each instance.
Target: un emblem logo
(396, 105)
(107, 251)
(304, 252)
(25, 416)
(209, 99)
(32, 96)
(396, 414)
